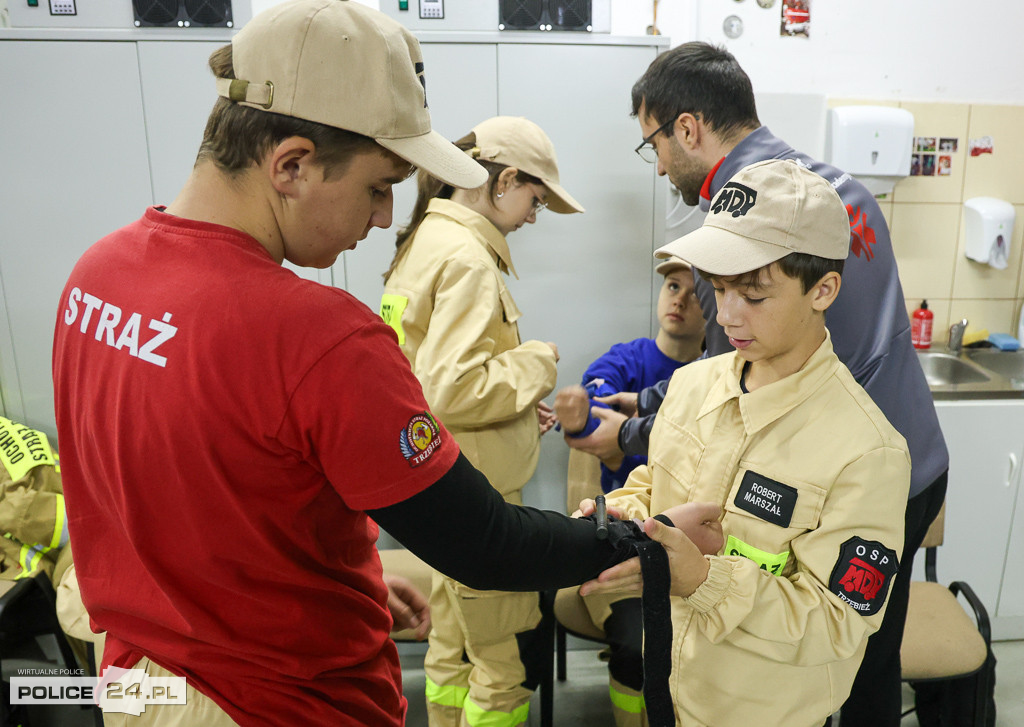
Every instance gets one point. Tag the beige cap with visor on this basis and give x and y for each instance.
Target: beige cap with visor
(671, 264)
(342, 64)
(765, 212)
(520, 143)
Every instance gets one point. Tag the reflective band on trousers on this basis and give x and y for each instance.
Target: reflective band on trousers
(29, 558)
(446, 696)
(634, 704)
(477, 717)
(60, 526)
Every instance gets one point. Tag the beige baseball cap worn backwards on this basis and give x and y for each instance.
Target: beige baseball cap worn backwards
(765, 212)
(518, 142)
(342, 64)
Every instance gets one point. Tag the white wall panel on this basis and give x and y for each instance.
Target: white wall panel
(75, 168)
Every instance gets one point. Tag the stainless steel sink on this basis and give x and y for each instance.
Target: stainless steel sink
(1005, 363)
(945, 369)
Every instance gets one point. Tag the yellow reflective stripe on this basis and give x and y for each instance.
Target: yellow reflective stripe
(60, 526)
(391, 309)
(774, 563)
(634, 704)
(446, 696)
(478, 717)
(29, 559)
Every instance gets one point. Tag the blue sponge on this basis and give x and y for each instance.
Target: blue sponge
(1004, 341)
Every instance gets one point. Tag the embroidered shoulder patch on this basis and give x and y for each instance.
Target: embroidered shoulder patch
(863, 573)
(420, 439)
(766, 498)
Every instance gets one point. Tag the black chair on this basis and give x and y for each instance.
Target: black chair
(946, 655)
(28, 620)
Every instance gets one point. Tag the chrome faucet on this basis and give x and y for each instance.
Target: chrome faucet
(956, 337)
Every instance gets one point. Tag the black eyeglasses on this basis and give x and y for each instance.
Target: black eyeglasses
(647, 151)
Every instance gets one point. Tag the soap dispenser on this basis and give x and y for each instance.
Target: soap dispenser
(988, 228)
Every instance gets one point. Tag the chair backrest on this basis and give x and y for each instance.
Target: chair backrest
(933, 538)
(584, 479)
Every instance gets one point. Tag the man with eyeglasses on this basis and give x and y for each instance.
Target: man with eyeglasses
(698, 117)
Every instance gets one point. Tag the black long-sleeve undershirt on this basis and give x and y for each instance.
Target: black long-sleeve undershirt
(461, 526)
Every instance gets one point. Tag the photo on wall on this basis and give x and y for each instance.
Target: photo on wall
(796, 18)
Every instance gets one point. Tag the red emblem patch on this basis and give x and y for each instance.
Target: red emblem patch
(862, 236)
(863, 573)
(420, 439)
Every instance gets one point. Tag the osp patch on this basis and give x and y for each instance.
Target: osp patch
(419, 439)
(863, 573)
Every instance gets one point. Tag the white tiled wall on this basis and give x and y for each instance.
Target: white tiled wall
(926, 217)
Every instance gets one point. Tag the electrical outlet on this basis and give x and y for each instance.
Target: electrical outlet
(63, 7)
(432, 9)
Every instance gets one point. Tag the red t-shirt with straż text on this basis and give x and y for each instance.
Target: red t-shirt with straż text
(222, 424)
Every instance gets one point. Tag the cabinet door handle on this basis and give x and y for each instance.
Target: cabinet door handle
(1013, 469)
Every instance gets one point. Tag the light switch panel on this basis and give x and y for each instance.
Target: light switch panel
(431, 9)
(63, 7)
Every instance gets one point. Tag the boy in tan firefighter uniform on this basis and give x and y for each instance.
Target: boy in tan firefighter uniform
(31, 504)
(811, 476)
(457, 323)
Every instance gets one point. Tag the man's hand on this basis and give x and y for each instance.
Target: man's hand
(546, 417)
(689, 568)
(624, 401)
(408, 606)
(604, 441)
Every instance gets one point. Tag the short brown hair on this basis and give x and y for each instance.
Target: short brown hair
(808, 269)
(237, 137)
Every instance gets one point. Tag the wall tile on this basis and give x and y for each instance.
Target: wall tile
(925, 215)
(940, 121)
(925, 241)
(995, 315)
(972, 279)
(998, 174)
(1018, 242)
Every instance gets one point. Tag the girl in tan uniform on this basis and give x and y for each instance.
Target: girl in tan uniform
(456, 321)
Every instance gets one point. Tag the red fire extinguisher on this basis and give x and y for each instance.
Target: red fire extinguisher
(921, 327)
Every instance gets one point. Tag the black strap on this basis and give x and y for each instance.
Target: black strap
(657, 634)
(657, 615)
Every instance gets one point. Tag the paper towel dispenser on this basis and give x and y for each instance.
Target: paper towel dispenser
(988, 228)
(873, 143)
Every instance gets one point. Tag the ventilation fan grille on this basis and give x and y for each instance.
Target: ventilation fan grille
(521, 14)
(183, 13)
(569, 14)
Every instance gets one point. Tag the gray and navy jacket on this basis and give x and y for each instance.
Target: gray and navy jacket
(868, 322)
